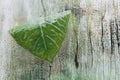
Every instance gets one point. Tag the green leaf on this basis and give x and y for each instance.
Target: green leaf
(43, 37)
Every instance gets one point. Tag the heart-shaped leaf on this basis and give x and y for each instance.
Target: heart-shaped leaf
(42, 37)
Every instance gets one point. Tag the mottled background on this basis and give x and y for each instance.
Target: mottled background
(98, 29)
